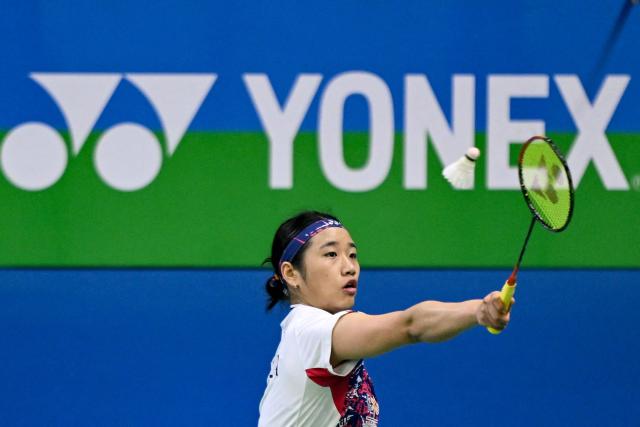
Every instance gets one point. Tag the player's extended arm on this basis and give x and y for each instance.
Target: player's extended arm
(358, 335)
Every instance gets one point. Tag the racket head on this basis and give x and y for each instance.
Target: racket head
(546, 183)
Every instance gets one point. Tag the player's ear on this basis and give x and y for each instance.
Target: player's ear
(289, 273)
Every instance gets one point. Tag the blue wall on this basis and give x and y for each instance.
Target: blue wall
(286, 38)
(170, 347)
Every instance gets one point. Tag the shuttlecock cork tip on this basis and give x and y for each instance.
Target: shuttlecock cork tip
(473, 153)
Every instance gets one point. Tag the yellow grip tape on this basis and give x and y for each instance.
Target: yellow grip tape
(505, 295)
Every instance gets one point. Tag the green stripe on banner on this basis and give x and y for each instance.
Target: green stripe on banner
(211, 206)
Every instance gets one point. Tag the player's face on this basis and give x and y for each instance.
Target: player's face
(331, 271)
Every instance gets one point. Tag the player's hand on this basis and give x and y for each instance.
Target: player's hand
(492, 312)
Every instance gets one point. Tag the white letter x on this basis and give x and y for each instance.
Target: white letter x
(591, 121)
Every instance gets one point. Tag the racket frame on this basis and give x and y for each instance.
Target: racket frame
(525, 192)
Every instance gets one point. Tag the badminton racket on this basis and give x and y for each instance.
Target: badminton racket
(547, 188)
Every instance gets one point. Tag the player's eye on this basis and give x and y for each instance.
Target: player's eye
(331, 254)
(353, 255)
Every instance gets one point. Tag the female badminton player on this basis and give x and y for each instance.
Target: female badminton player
(317, 375)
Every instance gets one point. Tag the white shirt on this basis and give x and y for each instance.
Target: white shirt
(303, 389)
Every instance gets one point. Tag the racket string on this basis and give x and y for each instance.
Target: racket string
(546, 183)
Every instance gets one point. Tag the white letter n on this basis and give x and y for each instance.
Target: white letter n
(424, 118)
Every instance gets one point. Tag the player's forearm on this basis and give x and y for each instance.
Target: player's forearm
(434, 321)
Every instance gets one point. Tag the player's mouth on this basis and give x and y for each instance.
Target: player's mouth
(351, 287)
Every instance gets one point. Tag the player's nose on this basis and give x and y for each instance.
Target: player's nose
(349, 266)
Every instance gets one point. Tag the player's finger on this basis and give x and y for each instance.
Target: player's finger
(493, 312)
(504, 319)
(496, 301)
(499, 315)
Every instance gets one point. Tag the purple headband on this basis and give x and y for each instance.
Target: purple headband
(303, 237)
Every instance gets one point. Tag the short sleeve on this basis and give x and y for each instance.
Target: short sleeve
(313, 336)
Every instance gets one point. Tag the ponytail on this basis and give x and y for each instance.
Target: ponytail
(276, 290)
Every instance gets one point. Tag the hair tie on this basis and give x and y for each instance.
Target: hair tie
(274, 280)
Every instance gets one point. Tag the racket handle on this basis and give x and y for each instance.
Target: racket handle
(505, 295)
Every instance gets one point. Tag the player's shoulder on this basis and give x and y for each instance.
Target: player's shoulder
(302, 313)
(304, 316)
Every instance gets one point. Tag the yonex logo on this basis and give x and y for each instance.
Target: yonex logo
(425, 123)
(127, 156)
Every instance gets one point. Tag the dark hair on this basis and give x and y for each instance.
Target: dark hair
(276, 286)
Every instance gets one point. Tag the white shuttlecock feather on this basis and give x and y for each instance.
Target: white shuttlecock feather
(461, 172)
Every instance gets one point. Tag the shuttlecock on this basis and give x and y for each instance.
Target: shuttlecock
(461, 172)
